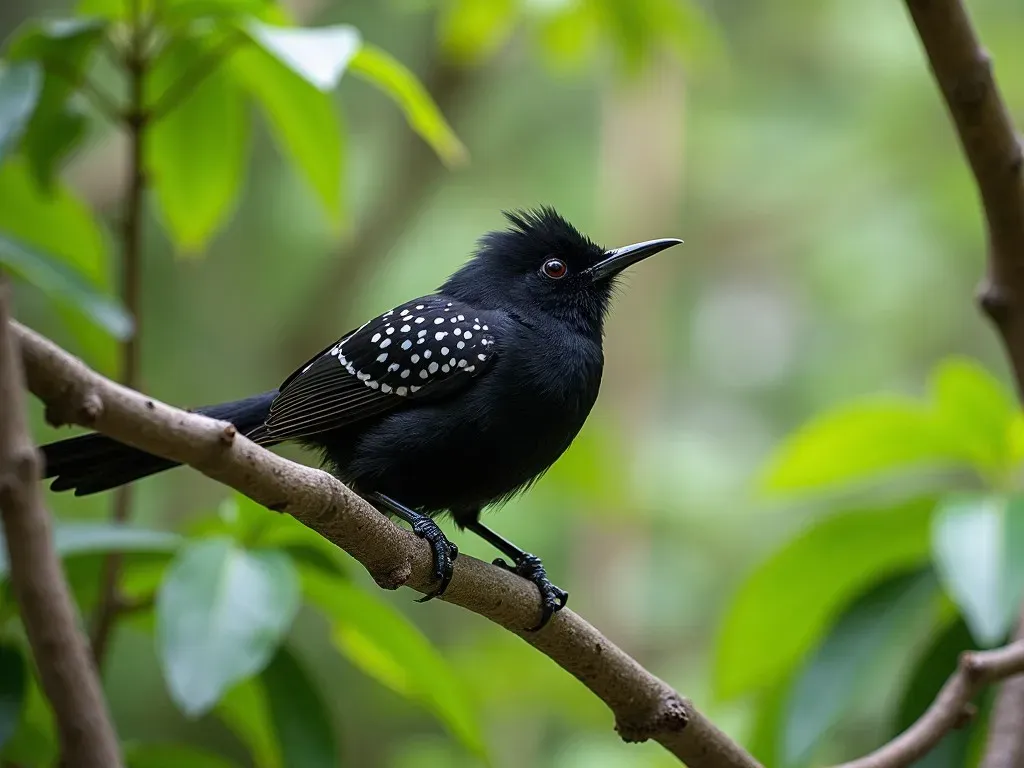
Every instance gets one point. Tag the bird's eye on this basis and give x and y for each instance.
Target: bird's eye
(555, 269)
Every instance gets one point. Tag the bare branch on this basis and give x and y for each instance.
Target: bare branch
(136, 122)
(644, 706)
(976, 670)
(963, 71)
(87, 739)
(1005, 747)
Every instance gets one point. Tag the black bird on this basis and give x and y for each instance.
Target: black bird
(444, 404)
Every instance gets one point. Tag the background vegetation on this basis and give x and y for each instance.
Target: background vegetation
(797, 499)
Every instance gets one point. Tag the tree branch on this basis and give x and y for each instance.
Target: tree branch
(644, 706)
(1005, 747)
(87, 739)
(137, 119)
(976, 670)
(963, 71)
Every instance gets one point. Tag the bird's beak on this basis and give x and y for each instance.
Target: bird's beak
(617, 259)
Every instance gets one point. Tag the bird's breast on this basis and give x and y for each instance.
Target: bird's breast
(491, 439)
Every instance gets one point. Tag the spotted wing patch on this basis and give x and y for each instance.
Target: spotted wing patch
(418, 346)
(427, 347)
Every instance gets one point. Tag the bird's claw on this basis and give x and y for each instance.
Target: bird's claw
(531, 568)
(444, 553)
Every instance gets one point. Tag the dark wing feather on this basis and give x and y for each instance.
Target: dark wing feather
(426, 348)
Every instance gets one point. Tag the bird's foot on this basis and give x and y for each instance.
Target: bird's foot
(444, 554)
(531, 568)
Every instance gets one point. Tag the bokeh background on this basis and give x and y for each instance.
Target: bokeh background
(833, 247)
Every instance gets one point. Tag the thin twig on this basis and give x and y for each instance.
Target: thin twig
(1004, 747)
(963, 72)
(644, 706)
(68, 678)
(976, 670)
(137, 120)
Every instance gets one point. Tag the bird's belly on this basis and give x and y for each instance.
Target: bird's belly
(451, 466)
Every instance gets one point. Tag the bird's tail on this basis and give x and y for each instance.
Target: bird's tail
(93, 463)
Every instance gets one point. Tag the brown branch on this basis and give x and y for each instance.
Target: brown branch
(950, 708)
(136, 120)
(66, 671)
(644, 706)
(1005, 747)
(963, 71)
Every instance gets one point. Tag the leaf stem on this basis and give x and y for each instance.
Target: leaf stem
(111, 603)
(104, 103)
(205, 66)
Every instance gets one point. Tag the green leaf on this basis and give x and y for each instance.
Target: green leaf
(182, 11)
(35, 741)
(970, 421)
(299, 714)
(196, 174)
(87, 538)
(60, 225)
(302, 119)
(221, 612)
(473, 30)
(253, 525)
(246, 711)
(831, 677)
(65, 47)
(858, 441)
(929, 675)
(13, 689)
(976, 410)
(412, 98)
(63, 284)
(20, 86)
(173, 756)
(785, 606)
(387, 647)
(764, 741)
(319, 55)
(978, 547)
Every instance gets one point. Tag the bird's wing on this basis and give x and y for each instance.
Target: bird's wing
(426, 348)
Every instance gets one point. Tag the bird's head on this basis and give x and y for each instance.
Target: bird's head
(543, 263)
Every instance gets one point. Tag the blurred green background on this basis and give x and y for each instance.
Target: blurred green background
(833, 246)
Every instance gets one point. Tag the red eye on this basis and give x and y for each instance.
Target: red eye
(555, 269)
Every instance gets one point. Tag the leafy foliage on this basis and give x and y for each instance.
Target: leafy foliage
(202, 62)
(786, 606)
(973, 540)
(841, 581)
(386, 646)
(221, 611)
(13, 688)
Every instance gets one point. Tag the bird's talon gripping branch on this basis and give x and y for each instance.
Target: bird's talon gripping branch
(531, 568)
(444, 553)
